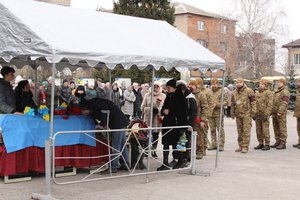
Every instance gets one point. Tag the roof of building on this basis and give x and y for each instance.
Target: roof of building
(293, 44)
(182, 8)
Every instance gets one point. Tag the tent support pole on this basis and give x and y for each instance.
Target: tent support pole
(150, 125)
(220, 121)
(48, 143)
(109, 76)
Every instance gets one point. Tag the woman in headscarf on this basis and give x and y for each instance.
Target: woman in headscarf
(158, 101)
(129, 98)
(116, 94)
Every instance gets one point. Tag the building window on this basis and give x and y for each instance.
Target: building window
(296, 59)
(200, 25)
(223, 29)
(202, 42)
(223, 46)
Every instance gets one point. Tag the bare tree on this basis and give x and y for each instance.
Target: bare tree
(259, 25)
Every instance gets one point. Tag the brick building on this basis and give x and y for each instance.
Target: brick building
(215, 32)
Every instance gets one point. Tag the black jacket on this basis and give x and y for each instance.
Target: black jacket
(177, 116)
(7, 98)
(117, 120)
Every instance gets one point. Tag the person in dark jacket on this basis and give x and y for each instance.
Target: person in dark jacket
(137, 112)
(24, 96)
(65, 92)
(174, 115)
(117, 120)
(191, 114)
(7, 97)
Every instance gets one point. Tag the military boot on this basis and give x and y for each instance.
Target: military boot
(296, 145)
(266, 148)
(212, 148)
(260, 146)
(244, 150)
(275, 144)
(238, 149)
(281, 146)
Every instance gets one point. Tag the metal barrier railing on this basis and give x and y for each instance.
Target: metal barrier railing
(131, 171)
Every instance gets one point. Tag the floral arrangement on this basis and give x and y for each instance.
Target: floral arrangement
(181, 144)
(29, 111)
(44, 112)
(62, 110)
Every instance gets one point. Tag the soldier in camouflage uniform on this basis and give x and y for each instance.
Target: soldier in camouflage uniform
(214, 120)
(210, 101)
(201, 119)
(297, 114)
(264, 103)
(243, 109)
(279, 112)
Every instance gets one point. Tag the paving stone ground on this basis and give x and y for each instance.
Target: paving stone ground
(257, 175)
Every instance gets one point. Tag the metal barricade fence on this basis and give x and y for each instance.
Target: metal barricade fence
(131, 170)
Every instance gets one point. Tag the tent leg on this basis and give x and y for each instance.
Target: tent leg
(220, 122)
(48, 175)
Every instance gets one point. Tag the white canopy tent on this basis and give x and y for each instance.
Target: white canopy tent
(30, 30)
(36, 29)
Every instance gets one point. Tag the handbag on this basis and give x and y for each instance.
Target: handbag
(155, 111)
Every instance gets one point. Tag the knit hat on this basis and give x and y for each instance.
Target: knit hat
(214, 81)
(171, 83)
(282, 80)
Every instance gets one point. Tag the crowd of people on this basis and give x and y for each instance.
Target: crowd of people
(176, 103)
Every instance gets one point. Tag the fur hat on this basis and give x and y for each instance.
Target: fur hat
(171, 83)
(264, 81)
(214, 81)
(282, 80)
(240, 80)
(193, 82)
(199, 81)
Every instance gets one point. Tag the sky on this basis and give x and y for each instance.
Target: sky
(291, 8)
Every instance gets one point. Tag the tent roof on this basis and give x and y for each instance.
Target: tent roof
(37, 29)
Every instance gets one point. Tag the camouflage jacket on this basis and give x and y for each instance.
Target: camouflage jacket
(280, 101)
(210, 100)
(297, 105)
(264, 103)
(243, 102)
(217, 96)
(202, 104)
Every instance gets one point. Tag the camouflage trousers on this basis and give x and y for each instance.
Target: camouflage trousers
(280, 129)
(214, 127)
(244, 125)
(298, 129)
(201, 143)
(262, 130)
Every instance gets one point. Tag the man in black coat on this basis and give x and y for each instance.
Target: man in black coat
(174, 114)
(97, 107)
